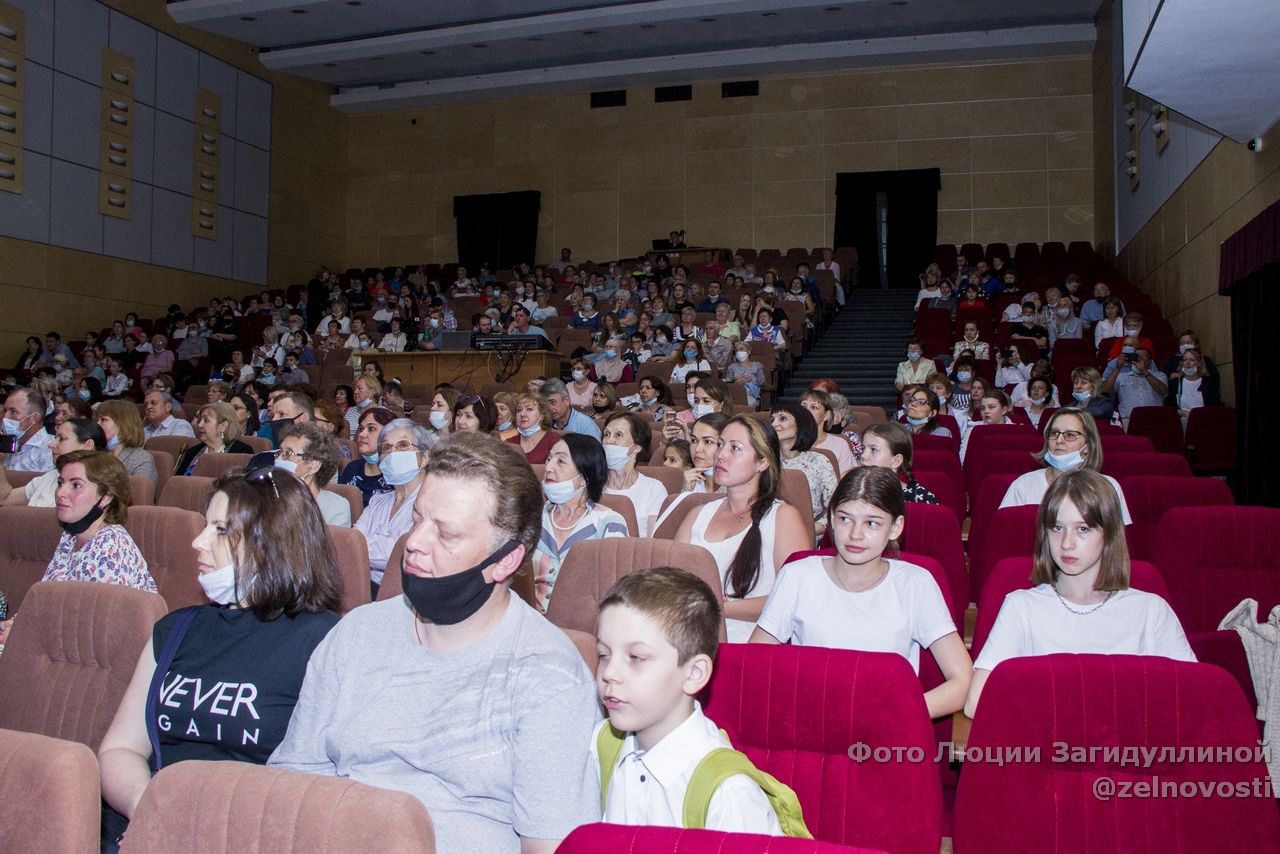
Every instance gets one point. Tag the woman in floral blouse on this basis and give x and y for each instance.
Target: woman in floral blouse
(92, 500)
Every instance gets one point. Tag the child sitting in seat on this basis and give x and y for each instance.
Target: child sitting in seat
(657, 635)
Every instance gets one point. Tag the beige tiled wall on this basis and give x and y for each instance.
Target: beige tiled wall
(1174, 258)
(1014, 142)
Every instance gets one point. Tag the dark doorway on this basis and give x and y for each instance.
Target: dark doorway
(1254, 303)
(891, 218)
(498, 228)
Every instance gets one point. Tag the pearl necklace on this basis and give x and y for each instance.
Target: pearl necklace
(1071, 610)
(572, 524)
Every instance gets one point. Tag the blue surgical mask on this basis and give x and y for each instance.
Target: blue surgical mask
(439, 420)
(611, 354)
(288, 465)
(913, 356)
(504, 426)
(1065, 462)
(83, 393)
(371, 459)
(399, 467)
(701, 409)
(917, 422)
(12, 427)
(691, 354)
(1081, 396)
(561, 492)
(528, 432)
(113, 442)
(964, 376)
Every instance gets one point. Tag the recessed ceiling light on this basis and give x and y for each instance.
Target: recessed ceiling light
(590, 32)
(648, 26)
(834, 9)
(378, 59)
(354, 3)
(898, 3)
(298, 11)
(479, 46)
(706, 20)
(768, 14)
(427, 52)
(331, 65)
(247, 18)
(534, 39)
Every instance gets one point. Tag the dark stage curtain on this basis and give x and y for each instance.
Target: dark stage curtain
(912, 221)
(498, 228)
(1255, 301)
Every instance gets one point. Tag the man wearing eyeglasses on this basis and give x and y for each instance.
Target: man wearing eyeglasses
(458, 692)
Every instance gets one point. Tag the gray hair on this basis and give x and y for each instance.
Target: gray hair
(422, 437)
(840, 406)
(553, 386)
(165, 397)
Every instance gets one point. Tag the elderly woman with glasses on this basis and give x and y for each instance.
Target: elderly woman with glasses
(403, 448)
(310, 453)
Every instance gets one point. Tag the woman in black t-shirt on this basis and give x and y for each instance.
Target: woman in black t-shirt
(230, 689)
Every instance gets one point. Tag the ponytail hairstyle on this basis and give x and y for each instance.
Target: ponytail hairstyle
(744, 570)
(876, 485)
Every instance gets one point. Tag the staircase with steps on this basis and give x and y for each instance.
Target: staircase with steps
(861, 349)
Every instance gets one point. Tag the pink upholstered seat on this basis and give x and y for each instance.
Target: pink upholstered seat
(1150, 496)
(796, 711)
(49, 794)
(596, 838)
(1088, 701)
(240, 807)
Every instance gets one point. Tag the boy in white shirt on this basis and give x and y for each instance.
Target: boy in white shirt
(657, 636)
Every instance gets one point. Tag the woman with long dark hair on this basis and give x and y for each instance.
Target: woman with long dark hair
(750, 532)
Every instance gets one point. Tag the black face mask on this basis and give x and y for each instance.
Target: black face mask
(85, 522)
(452, 598)
(277, 427)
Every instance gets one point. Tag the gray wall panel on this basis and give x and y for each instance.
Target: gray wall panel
(252, 172)
(37, 107)
(38, 24)
(80, 34)
(174, 153)
(213, 257)
(76, 222)
(177, 69)
(227, 178)
(76, 119)
(144, 143)
(26, 215)
(219, 77)
(250, 248)
(130, 238)
(253, 111)
(138, 41)
(171, 240)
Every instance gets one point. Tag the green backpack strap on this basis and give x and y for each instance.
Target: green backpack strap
(609, 746)
(725, 762)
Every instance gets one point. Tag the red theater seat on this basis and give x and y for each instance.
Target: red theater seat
(796, 712)
(594, 838)
(1110, 701)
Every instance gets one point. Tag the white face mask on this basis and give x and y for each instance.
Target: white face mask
(701, 409)
(220, 584)
(579, 376)
(616, 456)
(741, 355)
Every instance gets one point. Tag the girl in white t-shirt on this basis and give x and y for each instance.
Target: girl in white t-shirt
(859, 599)
(1082, 602)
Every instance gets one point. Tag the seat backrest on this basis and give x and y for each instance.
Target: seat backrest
(943, 488)
(1211, 439)
(187, 493)
(945, 461)
(797, 712)
(794, 489)
(1117, 444)
(689, 502)
(622, 505)
(1213, 557)
(1150, 496)
(934, 531)
(164, 467)
(669, 477)
(593, 838)
(53, 778)
(71, 655)
(352, 554)
(1012, 534)
(988, 438)
(585, 643)
(929, 442)
(164, 536)
(141, 490)
(349, 492)
(983, 506)
(19, 479)
(213, 465)
(391, 585)
(1161, 425)
(1125, 464)
(28, 538)
(594, 566)
(175, 446)
(237, 806)
(1014, 573)
(1043, 802)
